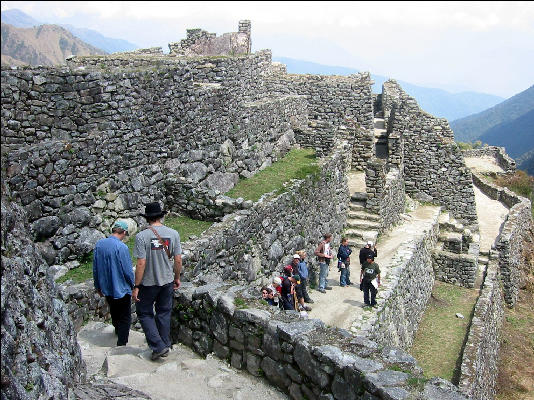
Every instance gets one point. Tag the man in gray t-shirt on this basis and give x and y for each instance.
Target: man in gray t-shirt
(157, 274)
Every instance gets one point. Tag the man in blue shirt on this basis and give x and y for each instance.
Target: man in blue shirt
(114, 278)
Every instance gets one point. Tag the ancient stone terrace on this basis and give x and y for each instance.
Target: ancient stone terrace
(92, 142)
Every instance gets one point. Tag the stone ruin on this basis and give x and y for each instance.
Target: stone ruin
(91, 142)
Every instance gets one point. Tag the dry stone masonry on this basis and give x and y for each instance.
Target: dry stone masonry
(93, 141)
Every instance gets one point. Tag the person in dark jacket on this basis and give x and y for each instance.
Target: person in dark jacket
(369, 249)
(343, 258)
(287, 289)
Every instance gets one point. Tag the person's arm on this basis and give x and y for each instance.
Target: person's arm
(126, 266)
(375, 252)
(95, 273)
(177, 270)
(378, 279)
(139, 272)
(361, 275)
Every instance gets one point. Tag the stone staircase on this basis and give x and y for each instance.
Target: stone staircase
(380, 137)
(361, 225)
(181, 375)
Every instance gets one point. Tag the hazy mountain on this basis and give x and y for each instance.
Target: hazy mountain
(517, 136)
(526, 162)
(100, 41)
(19, 19)
(437, 102)
(41, 45)
(471, 128)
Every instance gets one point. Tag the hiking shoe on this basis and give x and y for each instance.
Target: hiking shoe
(162, 353)
(328, 288)
(307, 308)
(321, 290)
(309, 301)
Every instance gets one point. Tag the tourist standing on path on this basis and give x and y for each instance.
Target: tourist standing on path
(343, 255)
(367, 250)
(114, 278)
(304, 275)
(287, 289)
(324, 256)
(159, 263)
(370, 272)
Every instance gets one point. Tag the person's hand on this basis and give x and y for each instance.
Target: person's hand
(135, 294)
(176, 283)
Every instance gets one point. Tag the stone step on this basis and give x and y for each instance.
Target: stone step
(483, 260)
(359, 197)
(362, 224)
(363, 215)
(379, 123)
(362, 234)
(356, 244)
(357, 206)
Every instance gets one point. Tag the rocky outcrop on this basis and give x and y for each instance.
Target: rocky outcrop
(40, 355)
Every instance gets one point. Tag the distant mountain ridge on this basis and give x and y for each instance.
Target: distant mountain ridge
(509, 124)
(437, 102)
(41, 45)
(19, 19)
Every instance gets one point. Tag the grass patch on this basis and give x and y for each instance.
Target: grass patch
(83, 272)
(240, 303)
(440, 337)
(520, 183)
(515, 380)
(187, 226)
(297, 164)
(469, 146)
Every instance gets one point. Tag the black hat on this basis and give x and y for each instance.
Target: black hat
(153, 210)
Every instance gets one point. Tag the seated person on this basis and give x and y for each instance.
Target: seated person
(268, 296)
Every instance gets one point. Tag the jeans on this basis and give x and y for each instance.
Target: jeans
(121, 317)
(323, 273)
(367, 287)
(157, 327)
(347, 267)
(344, 277)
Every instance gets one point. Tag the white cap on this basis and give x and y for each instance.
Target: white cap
(370, 243)
(296, 256)
(277, 280)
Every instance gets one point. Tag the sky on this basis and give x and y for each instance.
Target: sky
(485, 47)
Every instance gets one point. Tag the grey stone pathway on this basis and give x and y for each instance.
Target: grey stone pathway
(181, 375)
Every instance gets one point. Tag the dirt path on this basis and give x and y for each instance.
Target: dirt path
(483, 164)
(341, 305)
(491, 215)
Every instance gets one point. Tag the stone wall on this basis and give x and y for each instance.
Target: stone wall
(403, 296)
(434, 169)
(511, 240)
(302, 357)
(80, 143)
(201, 42)
(40, 355)
(334, 102)
(457, 269)
(481, 352)
(385, 192)
(504, 161)
(254, 243)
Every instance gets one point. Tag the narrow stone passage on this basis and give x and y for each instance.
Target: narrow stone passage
(181, 375)
(341, 306)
